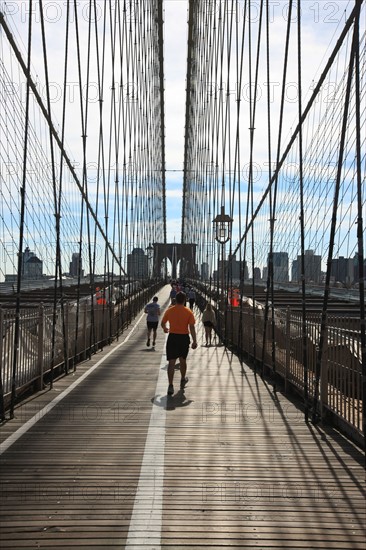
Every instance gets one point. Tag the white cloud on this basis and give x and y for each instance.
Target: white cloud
(321, 24)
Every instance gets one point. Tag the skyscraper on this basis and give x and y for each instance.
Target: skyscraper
(280, 267)
(312, 264)
(75, 265)
(137, 264)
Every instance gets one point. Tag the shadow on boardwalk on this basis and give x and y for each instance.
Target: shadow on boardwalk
(224, 463)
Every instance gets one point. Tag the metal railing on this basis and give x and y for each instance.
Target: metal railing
(51, 343)
(340, 384)
(339, 388)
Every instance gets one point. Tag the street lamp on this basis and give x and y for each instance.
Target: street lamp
(222, 226)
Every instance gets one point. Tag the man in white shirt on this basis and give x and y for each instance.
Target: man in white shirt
(152, 320)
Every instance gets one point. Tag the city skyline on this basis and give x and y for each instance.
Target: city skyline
(139, 266)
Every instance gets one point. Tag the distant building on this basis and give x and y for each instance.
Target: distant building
(204, 271)
(342, 270)
(356, 269)
(312, 264)
(295, 272)
(234, 269)
(75, 265)
(280, 267)
(32, 267)
(257, 274)
(137, 264)
(246, 272)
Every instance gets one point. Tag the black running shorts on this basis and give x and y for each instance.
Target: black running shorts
(152, 325)
(177, 346)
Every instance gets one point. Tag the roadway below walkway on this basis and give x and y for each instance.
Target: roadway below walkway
(106, 460)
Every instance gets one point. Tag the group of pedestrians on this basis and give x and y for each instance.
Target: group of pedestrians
(181, 322)
(188, 291)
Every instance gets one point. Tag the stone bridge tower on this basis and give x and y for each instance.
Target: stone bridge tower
(175, 252)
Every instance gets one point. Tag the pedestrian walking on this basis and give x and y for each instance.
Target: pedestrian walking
(209, 322)
(191, 298)
(173, 293)
(181, 325)
(152, 320)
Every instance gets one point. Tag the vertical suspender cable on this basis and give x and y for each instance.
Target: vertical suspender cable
(360, 240)
(302, 220)
(57, 214)
(162, 111)
(239, 77)
(294, 135)
(84, 121)
(21, 224)
(61, 175)
(273, 215)
(253, 103)
(186, 173)
(269, 136)
(323, 326)
(65, 156)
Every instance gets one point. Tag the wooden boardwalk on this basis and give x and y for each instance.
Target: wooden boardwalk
(105, 460)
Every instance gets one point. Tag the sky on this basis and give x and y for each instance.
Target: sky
(322, 22)
(175, 56)
(175, 59)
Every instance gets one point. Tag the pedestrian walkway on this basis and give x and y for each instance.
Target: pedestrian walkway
(106, 460)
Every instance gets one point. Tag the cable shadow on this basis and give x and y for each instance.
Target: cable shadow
(324, 445)
(290, 443)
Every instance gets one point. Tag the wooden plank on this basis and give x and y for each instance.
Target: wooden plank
(242, 469)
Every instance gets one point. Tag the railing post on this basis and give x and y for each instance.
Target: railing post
(288, 346)
(40, 358)
(2, 404)
(324, 376)
(67, 336)
(1, 339)
(84, 328)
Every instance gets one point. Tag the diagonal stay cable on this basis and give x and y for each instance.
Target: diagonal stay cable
(311, 101)
(33, 87)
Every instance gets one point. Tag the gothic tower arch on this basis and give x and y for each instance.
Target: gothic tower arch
(175, 252)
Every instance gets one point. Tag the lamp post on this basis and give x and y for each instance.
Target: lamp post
(222, 226)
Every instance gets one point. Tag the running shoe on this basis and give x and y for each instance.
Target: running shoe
(183, 382)
(170, 389)
(148, 342)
